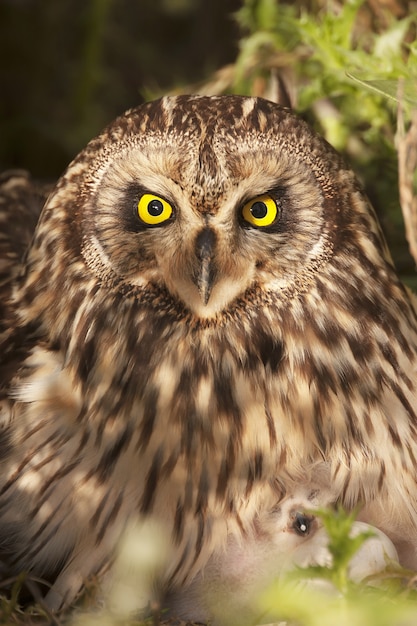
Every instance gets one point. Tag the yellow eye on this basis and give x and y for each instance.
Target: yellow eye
(261, 211)
(153, 210)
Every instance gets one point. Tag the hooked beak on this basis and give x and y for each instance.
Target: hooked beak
(205, 274)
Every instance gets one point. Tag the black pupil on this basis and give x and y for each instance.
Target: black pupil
(155, 208)
(259, 210)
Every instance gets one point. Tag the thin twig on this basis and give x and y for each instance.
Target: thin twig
(407, 166)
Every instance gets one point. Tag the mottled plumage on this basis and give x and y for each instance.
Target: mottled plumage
(197, 368)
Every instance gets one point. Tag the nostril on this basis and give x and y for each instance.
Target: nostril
(205, 242)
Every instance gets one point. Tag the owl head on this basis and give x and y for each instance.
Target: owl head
(201, 201)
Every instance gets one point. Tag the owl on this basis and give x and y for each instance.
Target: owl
(207, 313)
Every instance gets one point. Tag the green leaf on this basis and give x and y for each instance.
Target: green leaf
(405, 90)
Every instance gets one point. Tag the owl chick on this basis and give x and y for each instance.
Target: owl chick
(290, 535)
(206, 311)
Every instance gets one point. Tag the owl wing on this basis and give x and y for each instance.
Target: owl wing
(21, 201)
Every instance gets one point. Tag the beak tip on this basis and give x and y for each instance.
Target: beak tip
(204, 253)
(204, 289)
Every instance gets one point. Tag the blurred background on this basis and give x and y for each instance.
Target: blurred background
(68, 67)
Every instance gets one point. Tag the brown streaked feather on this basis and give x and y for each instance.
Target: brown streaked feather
(21, 201)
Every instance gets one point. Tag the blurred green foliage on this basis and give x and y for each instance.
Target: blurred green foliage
(302, 601)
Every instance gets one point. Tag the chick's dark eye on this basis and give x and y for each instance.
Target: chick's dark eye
(302, 524)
